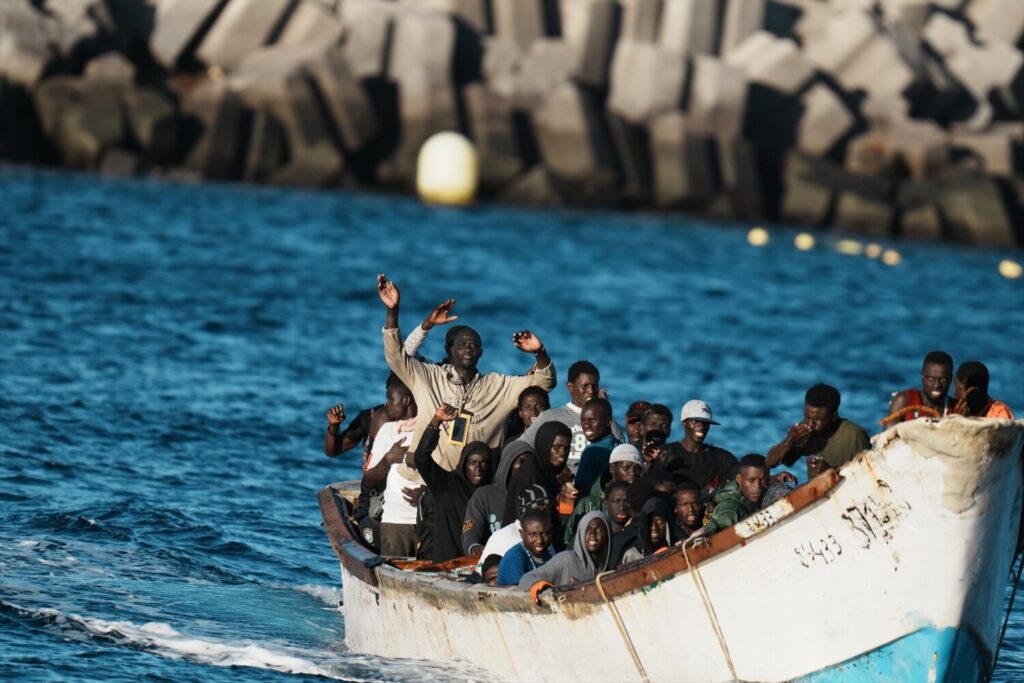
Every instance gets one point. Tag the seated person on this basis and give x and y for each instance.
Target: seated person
(489, 569)
(932, 398)
(588, 557)
(739, 498)
(624, 464)
(653, 530)
(689, 510)
(616, 505)
(828, 439)
(534, 550)
(971, 390)
(487, 504)
(531, 498)
(451, 490)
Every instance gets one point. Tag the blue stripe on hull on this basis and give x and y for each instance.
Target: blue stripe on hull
(930, 654)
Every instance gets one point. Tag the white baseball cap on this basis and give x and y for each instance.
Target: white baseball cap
(625, 452)
(697, 410)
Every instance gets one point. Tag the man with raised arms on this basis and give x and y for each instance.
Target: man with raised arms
(483, 401)
(936, 375)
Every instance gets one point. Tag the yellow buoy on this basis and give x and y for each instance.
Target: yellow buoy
(849, 247)
(804, 242)
(757, 237)
(891, 257)
(447, 170)
(873, 250)
(1010, 269)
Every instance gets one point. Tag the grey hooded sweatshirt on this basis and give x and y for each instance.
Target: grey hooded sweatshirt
(485, 507)
(575, 565)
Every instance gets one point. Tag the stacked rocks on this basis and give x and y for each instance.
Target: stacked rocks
(887, 117)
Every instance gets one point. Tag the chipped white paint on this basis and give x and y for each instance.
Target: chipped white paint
(920, 532)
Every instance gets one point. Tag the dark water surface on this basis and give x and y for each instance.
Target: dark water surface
(167, 354)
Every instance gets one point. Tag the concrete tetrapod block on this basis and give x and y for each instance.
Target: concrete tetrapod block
(661, 88)
(980, 68)
(346, 100)
(268, 147)
(500, 67)
(632, 150)
(52, 97)
(572, 141)
(153, 120)
(493, 132)
(88, 129)
(689, 26)
(997, 21)
(742, 20)
(547, 64)
(74, 31)
(472, 13)
(825, 120)
(718, 97)
(976, 213)
(533, 188)
(426, 105)
(368, 36)
(683, 163)
(998, 149)
(110, 70)
(805, 200)
(741, 180)
(311, 23)
(640, 20)
(423, 41)
(25, 49)
(777, 63)
(241, 27)
(120, 163)
(313, 160)
(919, 216)
(864, 212)
(177, 25)
(219, 111)
(588, 27)
(518, 21)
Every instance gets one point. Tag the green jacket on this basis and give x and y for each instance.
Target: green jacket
(593, 501)
(731, 508)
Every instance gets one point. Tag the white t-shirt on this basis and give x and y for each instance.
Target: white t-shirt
(501, 541)
(395, 510)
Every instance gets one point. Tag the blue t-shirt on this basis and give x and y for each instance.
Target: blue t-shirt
(518, 561)
(594, 462)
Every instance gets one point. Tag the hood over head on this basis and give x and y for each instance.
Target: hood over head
(579, 545)
(471, 448)
(654, 506)
(546, 436)
(508, 456)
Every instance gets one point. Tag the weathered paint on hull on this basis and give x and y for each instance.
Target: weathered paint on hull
(908, 552)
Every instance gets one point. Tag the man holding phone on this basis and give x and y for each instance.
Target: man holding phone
(483, 401)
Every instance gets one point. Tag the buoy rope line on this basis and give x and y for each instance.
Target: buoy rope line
(698, 580)
(622, 627)
(1009, 608)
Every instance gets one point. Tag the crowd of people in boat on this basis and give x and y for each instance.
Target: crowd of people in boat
(457, 463)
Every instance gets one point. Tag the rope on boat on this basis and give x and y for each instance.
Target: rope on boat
(622, 627)
(710, 609)
(1009, 608)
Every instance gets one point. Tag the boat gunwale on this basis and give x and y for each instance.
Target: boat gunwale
(363, 564)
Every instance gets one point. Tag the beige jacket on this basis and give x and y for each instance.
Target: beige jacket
(489, 397)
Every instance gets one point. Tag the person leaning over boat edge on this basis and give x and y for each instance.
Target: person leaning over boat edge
(486, 400)
(588, 557)
(828, 440)
(533, 550)
(741, 497)
(936, 374)
(971, 389)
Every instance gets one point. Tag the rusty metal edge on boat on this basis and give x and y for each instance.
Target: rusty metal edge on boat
(362, 563)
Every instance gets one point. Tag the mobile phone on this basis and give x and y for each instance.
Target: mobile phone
(460, 429)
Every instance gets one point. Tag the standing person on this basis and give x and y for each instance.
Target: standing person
(692, 457)
(588, 557)
(689, 510)
(827, 439)
(532, 402)
(398, 520)
(596, 419)
(487, 506)
(971, 390)
(740, 498)
(533, 551)
(482, 402)
(451, 490)
(546, 468)
(932, 398)
(634, 422)
(584, 382)
(624, 465)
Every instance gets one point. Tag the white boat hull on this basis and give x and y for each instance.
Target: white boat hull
(898, 571)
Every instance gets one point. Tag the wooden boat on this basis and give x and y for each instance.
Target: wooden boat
(892, 568)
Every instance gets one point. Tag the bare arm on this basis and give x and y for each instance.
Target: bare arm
(376, 475)
(796, 437)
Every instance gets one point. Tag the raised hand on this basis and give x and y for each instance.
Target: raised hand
(527, 341)
(445, 413)
(335, 415)
(783, 477)
(388, 292)
(440, 315)
(797, 434)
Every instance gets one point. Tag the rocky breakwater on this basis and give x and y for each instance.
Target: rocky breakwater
(886, 117)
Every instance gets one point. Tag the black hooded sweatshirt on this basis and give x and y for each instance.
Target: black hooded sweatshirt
(451, 490)
(537, 470)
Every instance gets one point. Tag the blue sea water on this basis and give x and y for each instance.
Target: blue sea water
(167, 353)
